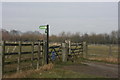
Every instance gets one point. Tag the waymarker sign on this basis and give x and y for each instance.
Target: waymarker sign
(46, 27)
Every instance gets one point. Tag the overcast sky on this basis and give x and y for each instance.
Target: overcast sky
(100, 17)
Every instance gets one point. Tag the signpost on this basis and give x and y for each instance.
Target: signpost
(47, 43)
(46, 27)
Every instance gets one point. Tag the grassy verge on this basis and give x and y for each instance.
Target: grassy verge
(61, 73)
(105, 60)
(53, 71)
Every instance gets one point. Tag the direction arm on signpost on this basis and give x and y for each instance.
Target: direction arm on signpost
(43, 27)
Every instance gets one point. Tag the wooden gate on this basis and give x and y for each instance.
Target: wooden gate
(27, 55)
(55, 49)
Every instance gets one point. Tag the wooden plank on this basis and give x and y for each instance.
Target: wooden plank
(11, 44)
(54, 47)
(23, 44)
(77, 49)
(16, 53)
(75, 44)
(29, 52)
(24, 60)
(26, 44)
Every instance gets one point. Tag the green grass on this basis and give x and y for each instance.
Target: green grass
(101, 53)
(61, 73)
(102, 50)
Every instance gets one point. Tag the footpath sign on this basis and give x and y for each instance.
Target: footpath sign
(43, 27)
(46, 27)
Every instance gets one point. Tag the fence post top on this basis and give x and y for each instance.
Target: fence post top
(64, 45)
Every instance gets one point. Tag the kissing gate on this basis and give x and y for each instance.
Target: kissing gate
(32, 55)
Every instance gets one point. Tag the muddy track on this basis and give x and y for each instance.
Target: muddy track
(95, 68)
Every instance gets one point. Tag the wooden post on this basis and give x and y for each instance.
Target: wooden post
(32, 54)
(38, 61)
(64, 52)
(110, 50)
(86, 49)
(3, 57)
(82, 49)
(45, 53)
(42, 52)
(69, 45)
(19, 56)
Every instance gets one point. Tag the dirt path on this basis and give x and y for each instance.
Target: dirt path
(95, 68)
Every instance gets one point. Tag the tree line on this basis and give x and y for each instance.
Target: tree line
(93, 38)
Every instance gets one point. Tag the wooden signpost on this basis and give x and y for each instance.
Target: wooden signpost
(46, 27)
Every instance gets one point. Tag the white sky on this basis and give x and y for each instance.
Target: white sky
(97, 17)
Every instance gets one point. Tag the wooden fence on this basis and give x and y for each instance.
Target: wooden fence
(16, 61)
(31, 55)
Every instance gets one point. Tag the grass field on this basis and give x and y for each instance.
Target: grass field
(101, 53)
